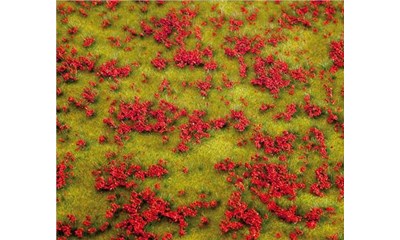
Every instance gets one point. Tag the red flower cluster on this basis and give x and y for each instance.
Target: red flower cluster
(265, 106)
(270, 74)
(268, 182)
(242, 121)
(291, 109)
(238, 215)
(112, 4)
(288, 215)
(340, 184)
(332, 118)
(61, 127)
(288, 21)
(64, 170)
(89, 95)
(241, 47)
(311, 109)
(323, 182)
(136, 116)
(337, 55)
(219, 123)
(195, 129)
(69, 65)
(71, 228)
(279, 144)
(313, 217)
(226, 165)
(118, 174)
(300, 75)
(109, 69)
(319, 145)
(273, 177)
(235, 24)
(145, 208)
(81, 144)
(173, 24)
(295, 234)
(185, 57)
(159, 62)
(87, 42)
(204, 85)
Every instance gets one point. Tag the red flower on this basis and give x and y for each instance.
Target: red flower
(79, 232)
(291, 109)
(204, 86)
(312, 110)
(240, 118)
(185, 57)
(313, 217)
(109, 69)
(323, 181)
(81, 144)
(318, 136)
(159, 62)
(337, 55)
(271, 74)
(87, 42)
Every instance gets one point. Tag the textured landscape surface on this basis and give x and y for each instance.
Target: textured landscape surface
(200, 120)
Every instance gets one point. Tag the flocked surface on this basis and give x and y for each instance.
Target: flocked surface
(242, 101)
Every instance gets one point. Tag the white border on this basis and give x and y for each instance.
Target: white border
(27, 118)
(372, 98)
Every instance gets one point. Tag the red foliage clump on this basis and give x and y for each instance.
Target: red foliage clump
(204, 85)
(89, 95)
(62, 127)
(288, 215)
(291, 109)
(311, 109)
(279, 144)
(273, 177)
(109, 69)
(171, 29)
(337, 55)
(69, 64)
(226, 165)
(136, 116)
(238, 215)
(340, 184)
(119, 174)
(64, 170)
(185, 57)
(145, 207)
(242, 46)
(319, 143)
(323, 181)
(195, 129)
(159, 62)
(87, 42)
(271, 74)
(265, 106)
(242, 121)
(313, 217)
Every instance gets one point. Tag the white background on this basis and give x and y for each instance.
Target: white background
(28, 133)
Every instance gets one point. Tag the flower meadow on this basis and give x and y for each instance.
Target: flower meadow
(200, 120)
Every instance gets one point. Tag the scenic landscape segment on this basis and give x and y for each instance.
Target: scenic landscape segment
(200, 120)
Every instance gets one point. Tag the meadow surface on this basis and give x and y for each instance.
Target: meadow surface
(200, 120)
